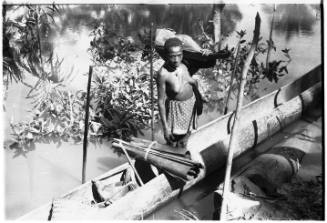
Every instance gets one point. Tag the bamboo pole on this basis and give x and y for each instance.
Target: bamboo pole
(86, 123)
(151, 82)
(233, 139)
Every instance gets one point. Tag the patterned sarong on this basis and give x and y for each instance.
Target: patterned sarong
(180, 116)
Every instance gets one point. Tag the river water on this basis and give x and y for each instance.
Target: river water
(35, 177)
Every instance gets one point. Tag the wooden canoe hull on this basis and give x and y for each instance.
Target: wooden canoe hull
(221, 127)
(208, 146)
(253, 131)
(160, 190)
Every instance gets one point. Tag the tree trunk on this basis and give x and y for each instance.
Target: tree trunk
(217, 11)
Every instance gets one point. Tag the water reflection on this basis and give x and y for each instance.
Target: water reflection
(129, 19)
(293, 19)
(73, 17)
(290, 18)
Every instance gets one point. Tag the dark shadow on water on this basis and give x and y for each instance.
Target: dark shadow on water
(21, 150)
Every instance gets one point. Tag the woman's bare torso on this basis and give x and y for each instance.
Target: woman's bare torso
(178, 86)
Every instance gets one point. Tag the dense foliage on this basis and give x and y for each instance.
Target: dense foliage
(119, 107)
(121, 98)
(216, 81)
(26, 42)
(120, 95)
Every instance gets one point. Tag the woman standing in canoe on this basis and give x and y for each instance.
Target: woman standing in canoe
(176, 85)
(178, 97)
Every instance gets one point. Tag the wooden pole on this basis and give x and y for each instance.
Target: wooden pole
(233, 139)
(232, 78)
(151, 82)
(86, 123)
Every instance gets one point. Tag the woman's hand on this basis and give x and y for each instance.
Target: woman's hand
(168, 137)
(206, 52)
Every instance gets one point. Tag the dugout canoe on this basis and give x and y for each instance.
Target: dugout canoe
(207, 145)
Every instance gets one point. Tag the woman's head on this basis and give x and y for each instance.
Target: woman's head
(174, 51)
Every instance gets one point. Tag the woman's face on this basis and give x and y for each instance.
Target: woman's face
(175, 56)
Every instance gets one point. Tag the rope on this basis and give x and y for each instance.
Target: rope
(147, 150)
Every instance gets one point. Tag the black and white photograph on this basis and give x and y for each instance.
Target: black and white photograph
(163, 110)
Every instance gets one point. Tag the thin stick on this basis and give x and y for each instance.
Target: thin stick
(233, 139)
(39, 37)
(86, 123)
(232, 77)
(71, 108)
(151, 82)
(270, 39)
(131, 164)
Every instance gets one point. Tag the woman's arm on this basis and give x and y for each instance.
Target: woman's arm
(161, 104)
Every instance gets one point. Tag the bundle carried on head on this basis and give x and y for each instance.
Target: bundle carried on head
(193, 56)
(162, 35)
